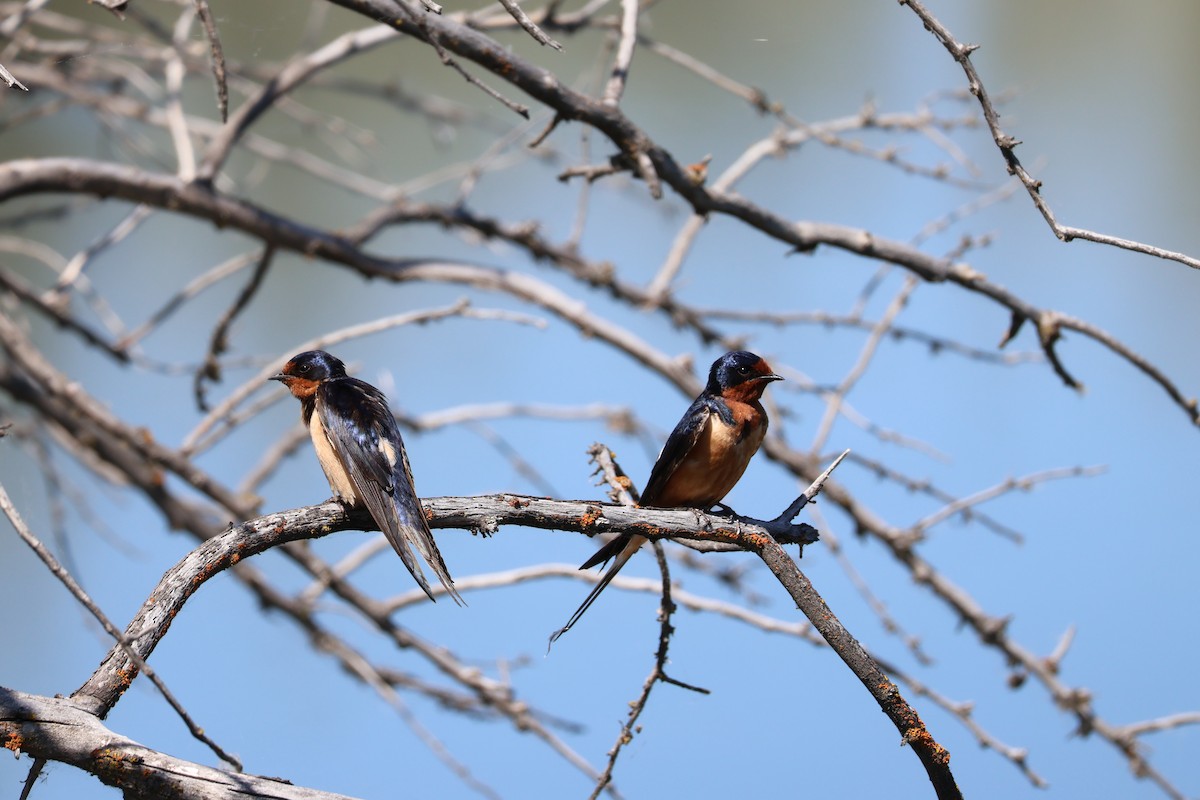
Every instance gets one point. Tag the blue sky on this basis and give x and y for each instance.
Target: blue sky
(1101, 97)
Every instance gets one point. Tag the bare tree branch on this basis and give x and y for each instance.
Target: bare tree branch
(218, 57)
(123, 643)
(305, 115)
(45, 175)
(1008, 145)
(55, 729)
(525, 22)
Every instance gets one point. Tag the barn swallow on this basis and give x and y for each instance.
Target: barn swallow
(703, 458)
(360, 450)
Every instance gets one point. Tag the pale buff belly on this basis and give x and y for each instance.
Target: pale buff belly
(335, 473)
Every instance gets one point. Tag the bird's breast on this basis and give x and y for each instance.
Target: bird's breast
(331, 462)
(718, 459)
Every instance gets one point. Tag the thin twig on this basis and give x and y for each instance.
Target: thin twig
(530, 27)
(218, 57)
(124, 644)
(181, 137)
(624, 55)
(1007, 146)
(218, 343)
(657, 673)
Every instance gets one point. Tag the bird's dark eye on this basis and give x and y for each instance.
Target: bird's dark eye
(743, 370)
(303, 368)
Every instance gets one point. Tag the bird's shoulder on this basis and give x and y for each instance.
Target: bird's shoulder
(359, 422)
(355, 405)
(730, 411)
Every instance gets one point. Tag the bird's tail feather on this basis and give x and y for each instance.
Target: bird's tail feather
(607, 551)
(414, 532)
(399, 543)
(620, 559)
(428, 550)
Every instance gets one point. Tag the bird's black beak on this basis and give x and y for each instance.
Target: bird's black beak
(771, 376)
(278, 376)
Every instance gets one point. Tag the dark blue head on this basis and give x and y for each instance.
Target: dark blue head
(305, 371)
(740, 369)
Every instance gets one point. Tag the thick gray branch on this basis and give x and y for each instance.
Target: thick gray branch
(484, 514)
(58, 730)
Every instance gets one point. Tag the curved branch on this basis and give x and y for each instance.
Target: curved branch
(1007, 145)
(55, 729)
(637, 146)
(31, 176)
(483, 514)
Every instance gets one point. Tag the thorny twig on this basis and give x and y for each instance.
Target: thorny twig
(1007, 146)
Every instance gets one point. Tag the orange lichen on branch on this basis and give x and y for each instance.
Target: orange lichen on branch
(751, 540)
(213, 567)
(920, 737)
(14, 741)
(590, 517)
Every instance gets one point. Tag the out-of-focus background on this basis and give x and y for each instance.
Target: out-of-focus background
(1102, 95)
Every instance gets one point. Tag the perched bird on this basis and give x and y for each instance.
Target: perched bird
(360, 450)
(703, 458)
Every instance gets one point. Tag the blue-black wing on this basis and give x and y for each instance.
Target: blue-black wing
(363, 432)
(681, 441)
(679, 444)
